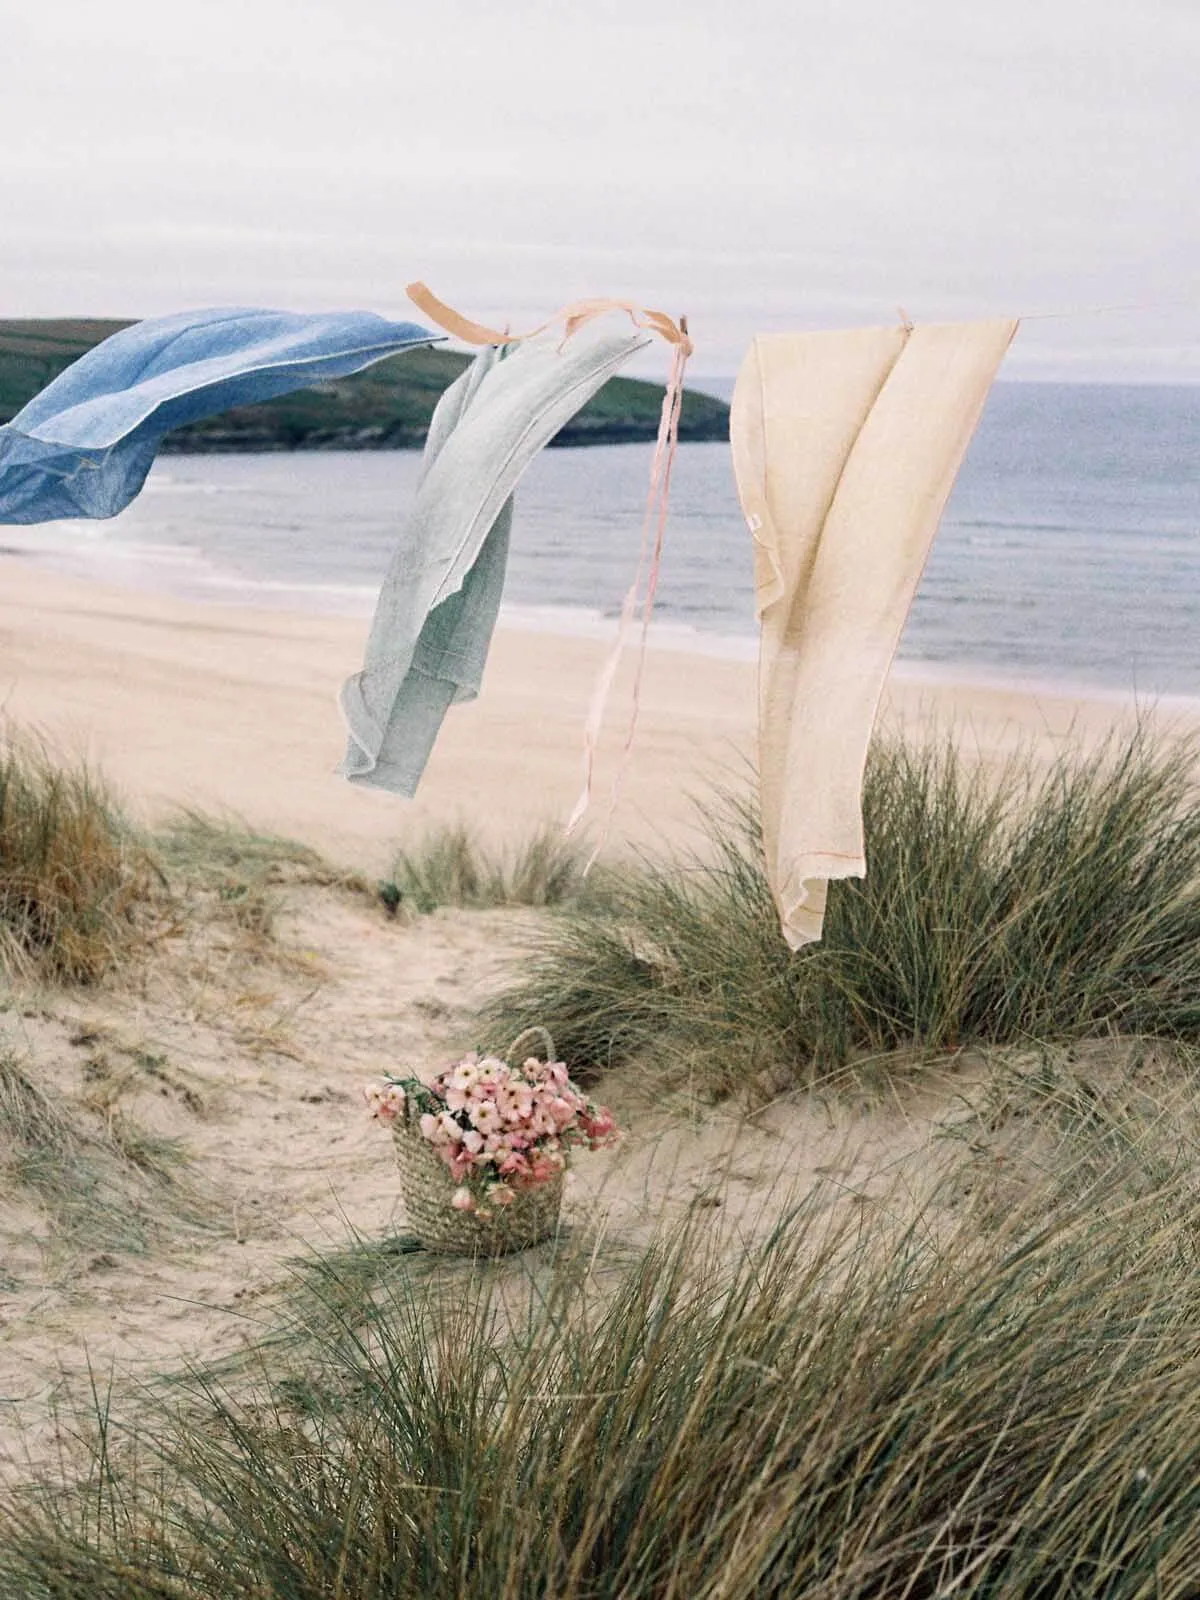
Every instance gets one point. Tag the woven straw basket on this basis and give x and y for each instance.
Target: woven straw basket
(426, 1186)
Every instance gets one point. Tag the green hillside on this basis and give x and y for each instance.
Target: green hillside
(386, 407)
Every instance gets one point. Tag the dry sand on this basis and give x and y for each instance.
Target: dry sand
(254, 1055)
(184, 703)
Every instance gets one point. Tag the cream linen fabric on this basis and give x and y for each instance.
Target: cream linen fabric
(845, 448)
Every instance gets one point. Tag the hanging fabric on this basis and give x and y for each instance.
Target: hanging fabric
(437, 608)
(83, 446)
(640, 596)
(845, 449)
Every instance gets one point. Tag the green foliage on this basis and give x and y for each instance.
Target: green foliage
(857, 1411)
(33, 352)
(71, 875)
(449, 867)
(997, 908)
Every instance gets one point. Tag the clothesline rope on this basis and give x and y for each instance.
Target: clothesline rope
(1112, 311)
(573, 316)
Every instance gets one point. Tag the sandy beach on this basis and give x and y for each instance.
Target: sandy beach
(251, 1053)
(182, 703)
(392, 1208)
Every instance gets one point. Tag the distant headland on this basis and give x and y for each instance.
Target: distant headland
(387, 407)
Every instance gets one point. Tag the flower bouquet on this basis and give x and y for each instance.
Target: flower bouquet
(483, 1149)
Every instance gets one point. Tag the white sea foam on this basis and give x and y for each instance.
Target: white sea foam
(1070, 554)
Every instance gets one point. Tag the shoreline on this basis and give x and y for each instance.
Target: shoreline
(355, 604)
(230, 708)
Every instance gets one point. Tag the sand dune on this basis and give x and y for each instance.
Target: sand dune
(254, 1057)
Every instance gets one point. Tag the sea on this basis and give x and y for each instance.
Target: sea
(1068, 557)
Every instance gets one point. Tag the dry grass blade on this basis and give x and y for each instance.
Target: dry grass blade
(449, 867)
(857, 1413)
(99, 1181)
(219, 852)
(238, 877)
(71, 875)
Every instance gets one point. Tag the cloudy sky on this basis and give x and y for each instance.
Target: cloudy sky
(759, 164)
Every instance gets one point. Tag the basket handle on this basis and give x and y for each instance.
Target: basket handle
(540, 1033)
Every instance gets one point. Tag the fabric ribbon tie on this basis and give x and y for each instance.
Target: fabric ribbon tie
(654, 520)
(573, 316)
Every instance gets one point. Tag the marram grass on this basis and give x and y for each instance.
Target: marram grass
(93, 1182)
(450, 867)
(864, 1411)
(998, 908)
(72, 875)
(223, 852)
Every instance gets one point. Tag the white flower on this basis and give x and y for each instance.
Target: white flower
(485, 1114)
(465, 1074)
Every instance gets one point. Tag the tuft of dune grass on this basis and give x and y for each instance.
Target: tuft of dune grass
(238, 870)
(99, 1182)
(860, 1410)
(449, 867)
(226, 853)
(997, 908)
(72, 875)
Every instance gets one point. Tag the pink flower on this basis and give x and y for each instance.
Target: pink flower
(386, 1101)
(562, 1111)
(519, 1107)
(507, 1127)
(599, 1125)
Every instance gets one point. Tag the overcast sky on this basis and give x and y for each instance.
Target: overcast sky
(759, 164)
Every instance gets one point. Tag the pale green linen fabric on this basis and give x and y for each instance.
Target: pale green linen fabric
(439, 601)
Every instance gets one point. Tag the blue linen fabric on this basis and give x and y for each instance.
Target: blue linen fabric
(438, 605)
(83, 446)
